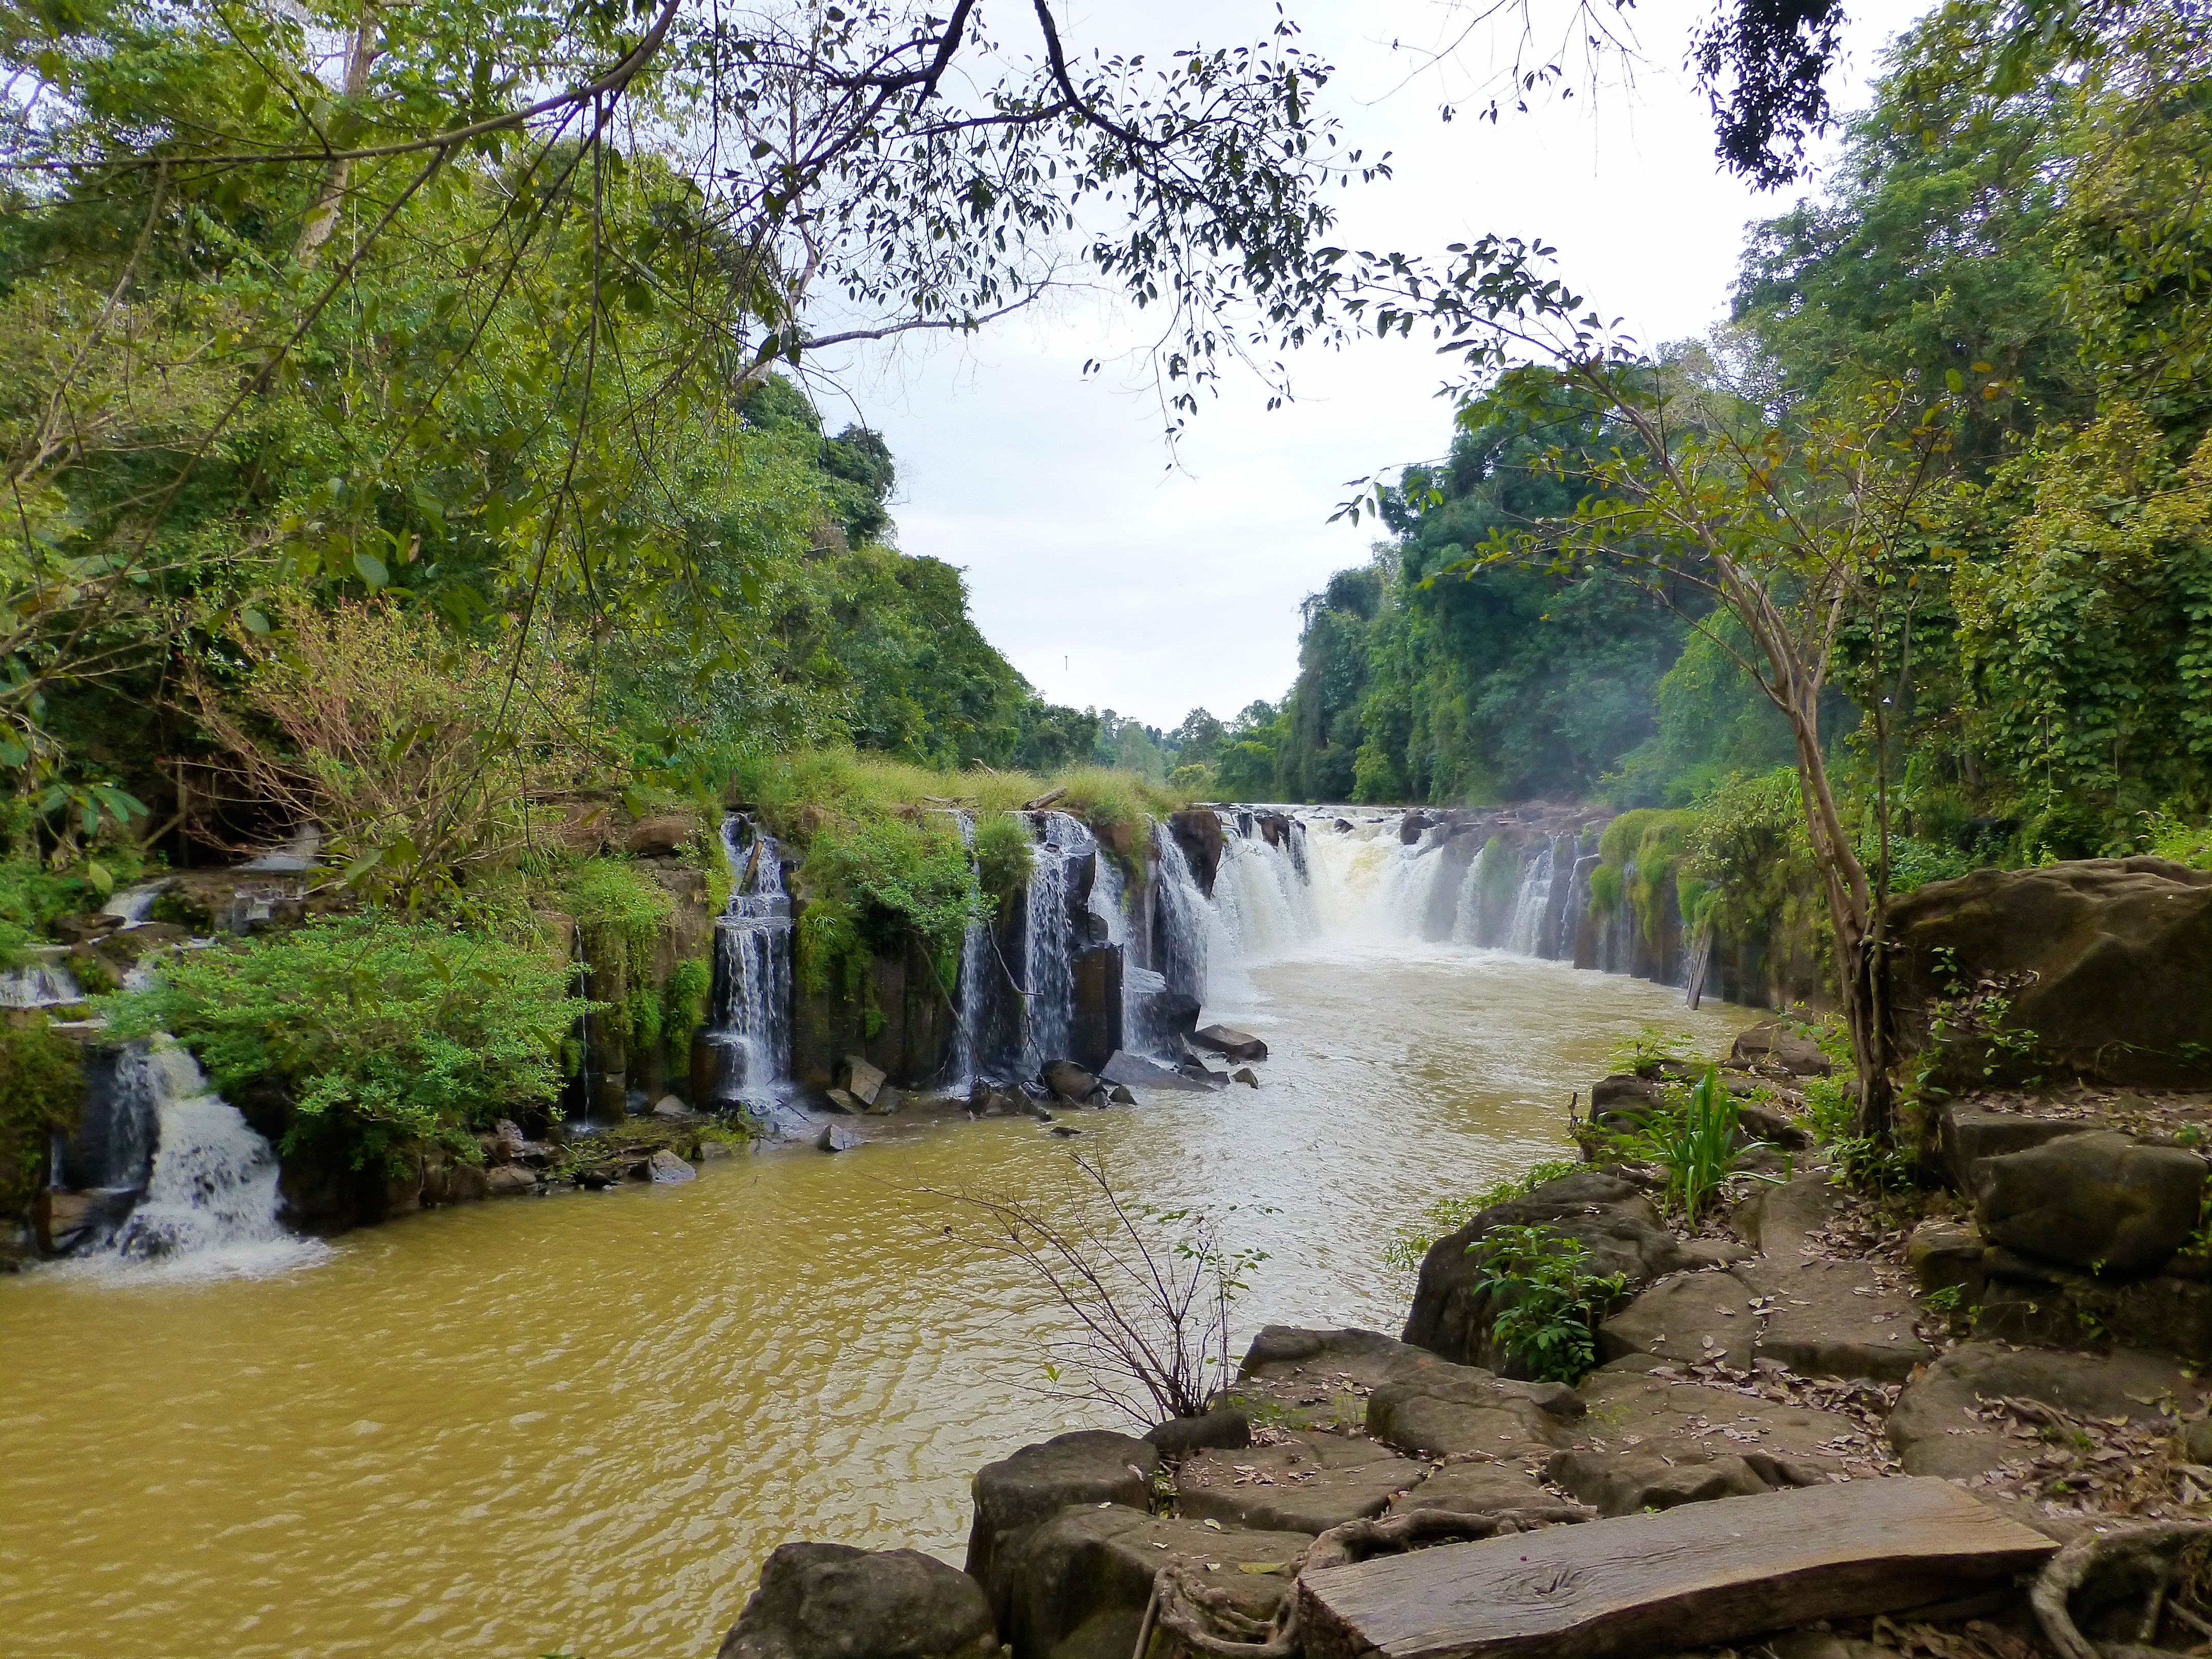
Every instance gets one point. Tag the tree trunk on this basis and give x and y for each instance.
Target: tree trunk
(363, 48)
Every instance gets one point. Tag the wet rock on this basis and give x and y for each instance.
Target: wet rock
(1770, 1045)
(1017, 1494)
(1969, 1137)
(1080, 1583)
(669, 1170)
(673, 1110)
(842, 1102)
(2119, 951)
(1094, 1031)
(1227, 1040)
(1069, 1083)
(593, 1181)
(508, 1142)
(1611, 1216)
(1197, 831)
(1308, 1484)
(1128, 1071)
(1835, 1318)
(466, 1183)
(887, 1102)
(1245, 1075)
(1774, 1128)
(1413, 826)
(2096, 1200)
(860, 1079)
(2026, 1300)
(1932, 1433)
(66, 1221)
(836, 1137)
(510, 1181)
(1225, 1429)
(831, 1601)
(706, 1151)
(1064, 1132)
(1120, 1096)
(1782, 1220)
(1626, 1093)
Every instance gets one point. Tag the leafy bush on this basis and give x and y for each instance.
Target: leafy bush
(1005, 855)
(384, 1031)
(872, 887)
(41, 1089)
(1548, 1302)
(683, 1003)
(32, 897)
(1648, 1050)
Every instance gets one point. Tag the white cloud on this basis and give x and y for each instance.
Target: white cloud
(1110, 580)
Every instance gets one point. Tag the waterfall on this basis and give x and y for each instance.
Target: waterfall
(748, 1026)
(1530, 906)
(1049, 941)
(211, 1202)
(1185, 919)
(973, 995)
(41, 984)
(1263, 898)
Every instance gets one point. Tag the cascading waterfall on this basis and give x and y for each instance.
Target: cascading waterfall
(211, 1205)
(1185, 919)
(1048, 945)
(749, 1027)
(1262, 896)
(1530, 906)
(39, 985)
(974, 994)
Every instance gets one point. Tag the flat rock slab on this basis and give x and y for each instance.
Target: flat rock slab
(1688, 1577)
(1310, 1379)
(1629, 1410)
(1835, 1318)
(1689, 1318)
(1130, 1072)
(1935, 1433)
(1475, 1489)
(1227, 1040)
(1311, 1483)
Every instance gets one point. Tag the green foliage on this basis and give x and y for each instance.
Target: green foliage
(1696, 1146)
(683, 1003)
(1861, 1163)
(1004, 855)
(379, 1031)
(1548, 1302)
(32, 897)
(41, 1089)
(2168, 835)
(871, 887)
(618, 905)
(1410, 1247)
(1650, 1050)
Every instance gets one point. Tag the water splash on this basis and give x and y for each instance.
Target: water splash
(211, 1206)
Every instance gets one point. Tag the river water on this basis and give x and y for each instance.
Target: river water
(576, 1424)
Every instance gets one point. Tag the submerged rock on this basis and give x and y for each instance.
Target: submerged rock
(1245, 1075)
(510, 1181)
(1227, 1040)
(1070, 1083)
(669, 1170)
(832, 1601)
(836, 1137)
(1132, 1072)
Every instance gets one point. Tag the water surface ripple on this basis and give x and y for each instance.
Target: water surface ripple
(576, 1424)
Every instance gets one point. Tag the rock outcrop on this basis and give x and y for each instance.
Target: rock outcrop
(831, 1601)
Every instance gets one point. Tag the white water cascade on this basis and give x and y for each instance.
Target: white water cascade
(1531, 906)
(749, 1023)
(1049, 941)
(211, 1203)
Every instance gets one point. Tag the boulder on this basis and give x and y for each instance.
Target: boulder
(842, 1102)
(1969, 1136)
(1227, 1040)
(1308, 1483)
(1769, 1045)
(1094, 1031)
(661, 835)
(1612, 1217)
(1933, 1433)
(1624, 1090)
(1245, 1075)
(1131, 1071)
(1949, 1255)
(1197, 830)
(1120, 1096)
(1476, 1489)
(1630, 1482)
(1224, 1428)
(2034, 1300)
(1775, 1128)
(832, 1601)
(2108, 961)
(860, 1079)
(1463, 1410)
(1017, 1494)
(506, 1142)
(465, 1183)
(671, 1109)
(887, 1102)
(669, 1170)
(510, 1181)
(1413, 826)
(1080, 1583)
(1070, 1084)
(1687, 1319)
(2097, 1200)
(836, 1137)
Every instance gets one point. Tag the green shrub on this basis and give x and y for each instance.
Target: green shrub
(1005, 855)
(382, 1031)
(683, 1003)
(1607, 889)
(41, 1089)
(872, 887)
(1548, 1302)
(33, 897)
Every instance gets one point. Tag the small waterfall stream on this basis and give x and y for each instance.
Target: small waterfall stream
(1066, 851)
(749, 1021)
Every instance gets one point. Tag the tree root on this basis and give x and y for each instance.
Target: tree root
(2124, 1562)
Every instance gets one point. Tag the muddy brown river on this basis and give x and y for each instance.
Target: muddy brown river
(575, 1424)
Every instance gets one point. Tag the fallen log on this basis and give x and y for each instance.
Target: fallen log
(1700, 1574)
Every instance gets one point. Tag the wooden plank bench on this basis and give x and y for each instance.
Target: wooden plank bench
(1686, 1577)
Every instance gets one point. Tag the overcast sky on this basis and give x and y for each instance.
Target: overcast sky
(1112, 581)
